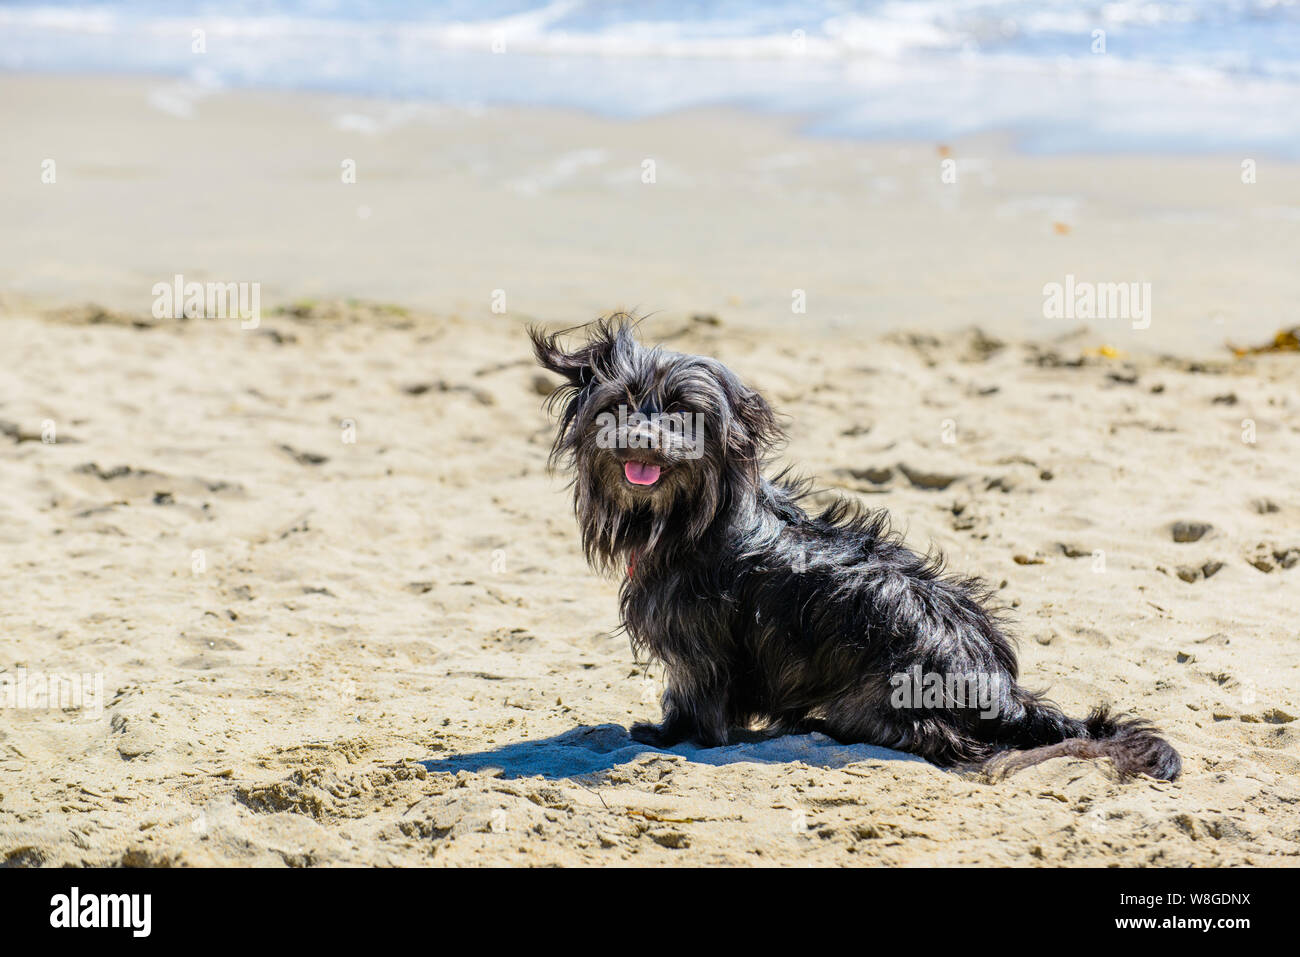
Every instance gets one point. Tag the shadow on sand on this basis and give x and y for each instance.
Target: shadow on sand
(592, 749)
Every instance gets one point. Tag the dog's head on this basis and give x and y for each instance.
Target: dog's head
(659, 442)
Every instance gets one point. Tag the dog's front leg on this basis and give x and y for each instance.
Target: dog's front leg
(699, 717)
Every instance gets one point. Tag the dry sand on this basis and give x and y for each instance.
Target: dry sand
(318, 651)
(418, 595)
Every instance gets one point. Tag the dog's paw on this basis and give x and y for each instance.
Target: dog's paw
(647, 733)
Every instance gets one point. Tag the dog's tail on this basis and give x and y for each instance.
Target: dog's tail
(1036, 730)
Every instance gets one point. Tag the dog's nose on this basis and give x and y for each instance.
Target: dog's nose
(643, 444)
(645, 433)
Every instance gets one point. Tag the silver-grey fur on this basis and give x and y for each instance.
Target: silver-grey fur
(765, 615)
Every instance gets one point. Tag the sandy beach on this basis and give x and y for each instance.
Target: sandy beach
(338, 608)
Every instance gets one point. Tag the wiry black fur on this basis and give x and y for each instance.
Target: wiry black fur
(763, 614)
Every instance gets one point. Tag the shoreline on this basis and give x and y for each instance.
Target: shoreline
(797, 124)
(449, 206)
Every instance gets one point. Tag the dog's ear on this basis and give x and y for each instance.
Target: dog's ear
(759, 421)
(583, 364)
(574, 366)
(753, 431)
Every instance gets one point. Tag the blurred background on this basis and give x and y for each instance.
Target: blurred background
(1064, 75)
(900, 162)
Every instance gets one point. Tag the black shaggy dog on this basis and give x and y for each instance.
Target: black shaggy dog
(765, 615)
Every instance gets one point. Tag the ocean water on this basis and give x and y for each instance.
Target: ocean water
(1059, 75)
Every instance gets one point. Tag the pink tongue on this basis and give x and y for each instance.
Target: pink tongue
(638, 473)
